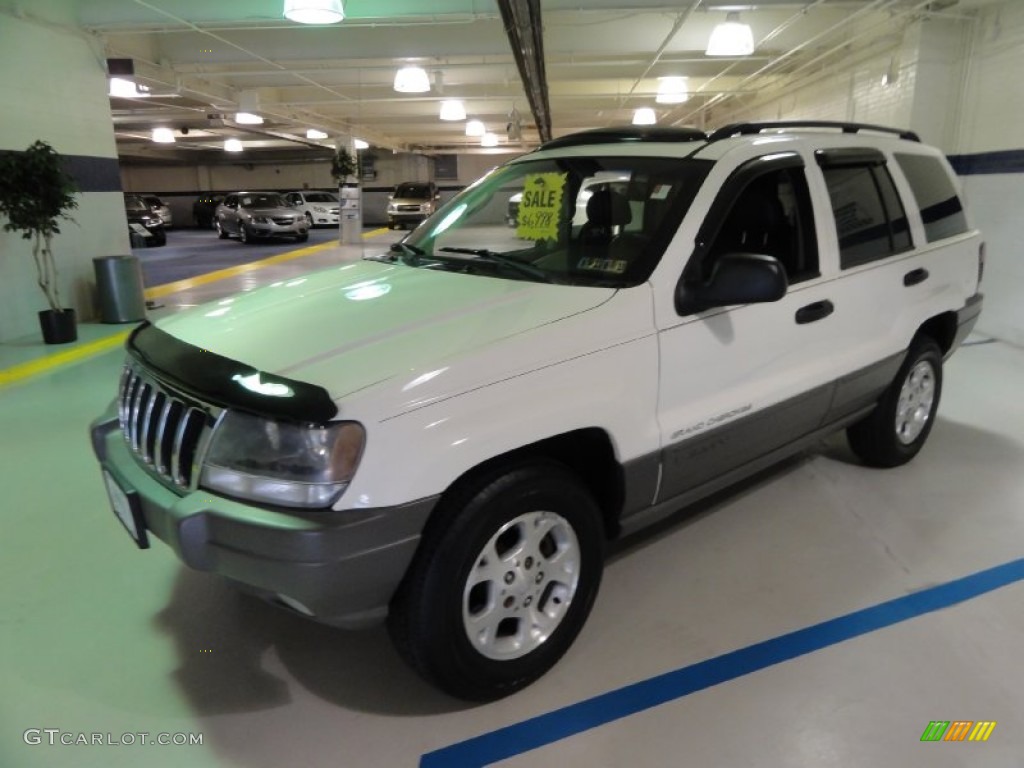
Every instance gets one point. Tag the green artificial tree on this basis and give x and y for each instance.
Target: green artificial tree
(35, 194)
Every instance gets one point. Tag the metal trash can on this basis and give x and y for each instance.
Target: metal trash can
(120, 289)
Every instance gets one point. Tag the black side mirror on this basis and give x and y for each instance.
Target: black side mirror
(737, 278)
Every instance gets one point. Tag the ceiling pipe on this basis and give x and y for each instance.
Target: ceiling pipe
(680, 20)
(526, 38)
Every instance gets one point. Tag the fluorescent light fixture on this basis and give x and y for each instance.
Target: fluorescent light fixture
(644, 116)
(412, 80)
(672, 90)
(313, 133)
(360, 144)
(731, 38)
(124, 89)
(163, 135)
(314, 11)
(232, 145)
(248, 118)
(488, 140)
(475, 128)
(453, 109)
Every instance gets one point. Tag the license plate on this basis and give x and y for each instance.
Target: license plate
(126, 507)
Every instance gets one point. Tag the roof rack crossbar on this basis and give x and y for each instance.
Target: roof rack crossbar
(622, 134)
(739, 129)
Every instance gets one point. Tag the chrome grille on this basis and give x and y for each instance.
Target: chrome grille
(163, 430)
(284, 220)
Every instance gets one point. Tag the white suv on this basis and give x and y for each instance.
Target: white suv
(450, 434)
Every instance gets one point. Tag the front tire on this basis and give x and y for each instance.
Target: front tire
(244, 236)
(221, 232)
(503, 581)
(895, 431)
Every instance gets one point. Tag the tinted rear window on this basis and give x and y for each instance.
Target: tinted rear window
(941, 209)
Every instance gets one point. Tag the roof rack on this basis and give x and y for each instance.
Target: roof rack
(740, 129)
(625, 134)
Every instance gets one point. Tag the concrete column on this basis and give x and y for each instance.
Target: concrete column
(350, 195)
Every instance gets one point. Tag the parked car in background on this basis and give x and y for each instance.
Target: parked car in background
(255, 215)
(143, 226)
(204, 209)
(158, 208)
(319, 207)
(412, 202)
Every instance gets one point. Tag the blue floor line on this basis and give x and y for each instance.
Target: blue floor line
(546, 729)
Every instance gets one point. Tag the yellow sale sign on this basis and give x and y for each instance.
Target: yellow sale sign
(540, 206)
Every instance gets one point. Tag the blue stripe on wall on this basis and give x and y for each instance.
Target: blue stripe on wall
(546, 729)
(1005, 161)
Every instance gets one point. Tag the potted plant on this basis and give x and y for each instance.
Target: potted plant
(343, 165)
(35, 194)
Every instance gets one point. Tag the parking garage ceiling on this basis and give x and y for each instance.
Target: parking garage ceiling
(599, 60)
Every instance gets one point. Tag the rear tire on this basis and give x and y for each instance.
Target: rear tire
(503, 581)
(895, 431)
(302, 238)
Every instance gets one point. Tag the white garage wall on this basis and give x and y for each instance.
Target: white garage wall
(991, 120)
(62, 99)
(959, 84)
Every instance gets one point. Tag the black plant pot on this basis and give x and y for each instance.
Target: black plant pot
(58, 327)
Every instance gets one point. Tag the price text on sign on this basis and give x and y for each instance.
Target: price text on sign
(540, 206)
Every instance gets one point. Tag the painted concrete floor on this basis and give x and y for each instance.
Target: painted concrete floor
(97, 637)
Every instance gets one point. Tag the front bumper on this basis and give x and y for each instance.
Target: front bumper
(339, 568)
(273, 229)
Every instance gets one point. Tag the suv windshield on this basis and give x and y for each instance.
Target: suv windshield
(417, 191)
(599, 221)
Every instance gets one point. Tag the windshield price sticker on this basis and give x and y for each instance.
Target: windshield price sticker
(540, 206)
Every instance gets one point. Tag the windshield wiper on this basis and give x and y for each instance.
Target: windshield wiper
(400, 250)
(505, 261)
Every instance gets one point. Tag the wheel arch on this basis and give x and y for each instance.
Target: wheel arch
(941, 328)
(587, 453)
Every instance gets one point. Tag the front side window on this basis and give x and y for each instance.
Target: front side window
(574, 220)
(870, 220)
(771, 216)
(940, 206)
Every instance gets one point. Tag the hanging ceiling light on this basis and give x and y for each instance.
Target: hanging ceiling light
(248, 118)
(163, 135)
(489, 140)
(232, 145)
(644, 116)
(475, 128)
(672, 90)
(360, 144)
(731, 38)
(314, 11)
(452, 109)
(412, 80)
(313, 133)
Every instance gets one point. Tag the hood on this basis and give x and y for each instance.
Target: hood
(348, 328)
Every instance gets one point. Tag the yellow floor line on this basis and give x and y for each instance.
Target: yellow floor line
(42, 365)
(31, 368)
(166, 289)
